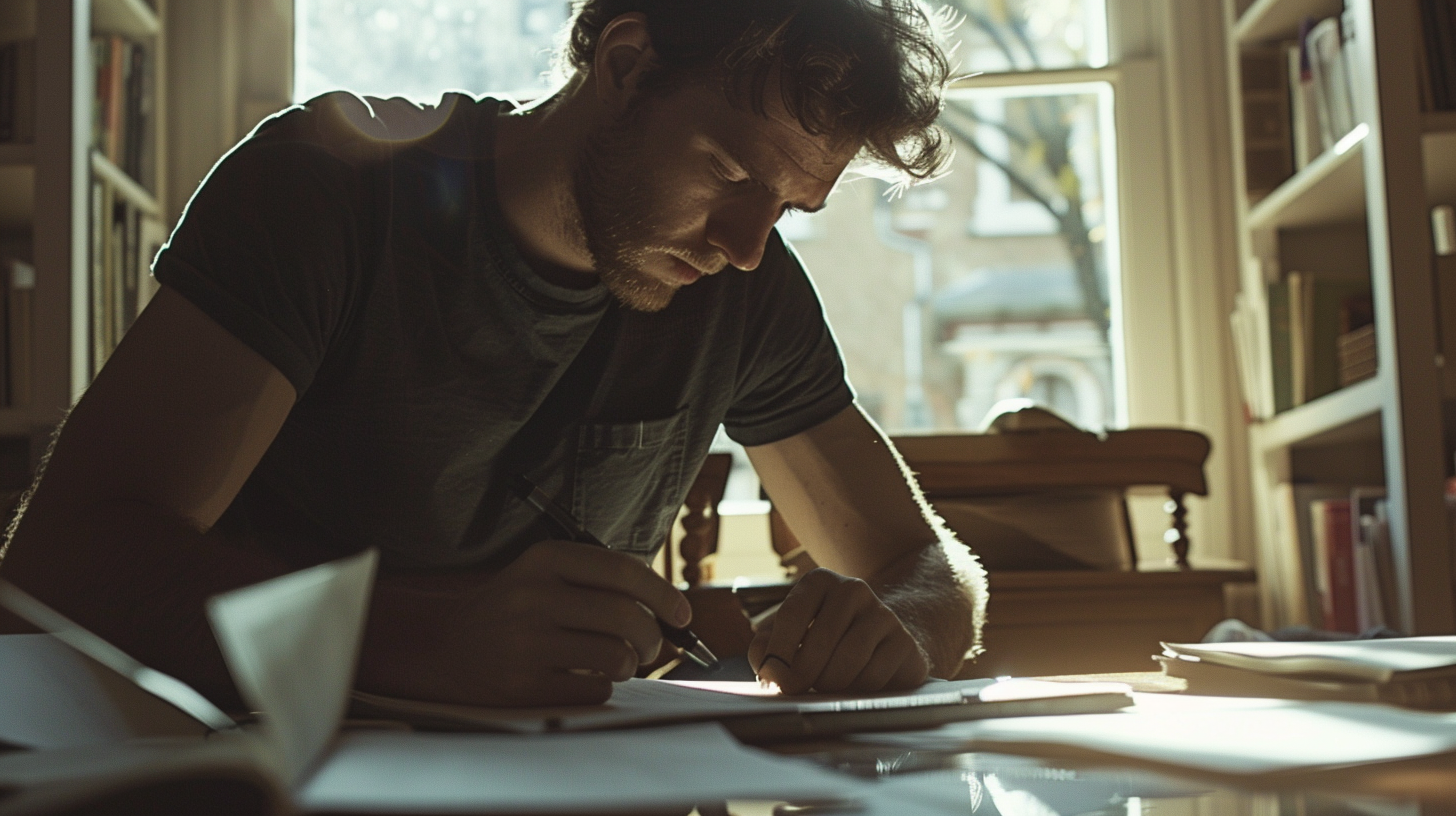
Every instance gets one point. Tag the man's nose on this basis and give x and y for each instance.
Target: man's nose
(740, 231)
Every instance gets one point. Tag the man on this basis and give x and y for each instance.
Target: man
(375, 318)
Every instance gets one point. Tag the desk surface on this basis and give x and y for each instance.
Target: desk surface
(1024, 785)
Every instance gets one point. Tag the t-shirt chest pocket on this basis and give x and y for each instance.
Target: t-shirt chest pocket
(629, 481)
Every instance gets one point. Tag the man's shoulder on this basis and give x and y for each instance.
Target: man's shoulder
(362, 129)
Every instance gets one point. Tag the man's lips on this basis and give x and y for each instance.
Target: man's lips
(682, 271)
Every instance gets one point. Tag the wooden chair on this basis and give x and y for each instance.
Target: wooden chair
(1082, 620)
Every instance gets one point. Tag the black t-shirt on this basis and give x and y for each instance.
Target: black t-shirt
(357, 245)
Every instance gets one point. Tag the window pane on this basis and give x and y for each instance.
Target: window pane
(418, 48)
(999, 276)
(1029, 35)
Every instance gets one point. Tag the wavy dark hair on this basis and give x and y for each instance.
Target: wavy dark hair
(870, 71)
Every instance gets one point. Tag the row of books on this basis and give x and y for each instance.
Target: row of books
(1341, 536)
(1437, 55)
(124, 240)
(121, 118)
(1321, 335)
(17, 91)
(1299, 100)
(1321, 332)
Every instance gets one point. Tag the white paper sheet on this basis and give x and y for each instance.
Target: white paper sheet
(1217, 734)
(639, 702)
(383, 771)
(291, 645)
(52, 696)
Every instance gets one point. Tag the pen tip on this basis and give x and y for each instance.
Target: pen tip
(522, 486)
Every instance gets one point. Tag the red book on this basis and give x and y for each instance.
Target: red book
(1334, 540)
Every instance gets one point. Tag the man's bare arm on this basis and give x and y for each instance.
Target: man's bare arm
(119, 535)
(116, 533)
(847, 496)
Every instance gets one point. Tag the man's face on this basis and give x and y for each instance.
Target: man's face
(685, 184)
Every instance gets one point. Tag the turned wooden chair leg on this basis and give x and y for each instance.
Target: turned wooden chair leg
(1177, 534)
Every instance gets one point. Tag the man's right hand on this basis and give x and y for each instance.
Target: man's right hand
(557, 626)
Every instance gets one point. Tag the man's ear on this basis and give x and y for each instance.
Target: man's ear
(624, 54)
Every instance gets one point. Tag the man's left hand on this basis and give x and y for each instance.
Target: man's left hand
(833, 634)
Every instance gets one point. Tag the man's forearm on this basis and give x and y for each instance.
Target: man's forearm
(139, 578)
(939, 594)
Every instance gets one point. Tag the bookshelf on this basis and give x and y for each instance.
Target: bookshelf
(1359, 210)
(48, 187)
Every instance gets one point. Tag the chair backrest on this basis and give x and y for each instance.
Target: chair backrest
(1047, 482)
(1052, 462)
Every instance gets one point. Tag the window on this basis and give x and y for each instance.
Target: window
(418, 48)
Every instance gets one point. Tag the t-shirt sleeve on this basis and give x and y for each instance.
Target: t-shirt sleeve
(792, 375)
(268, 248)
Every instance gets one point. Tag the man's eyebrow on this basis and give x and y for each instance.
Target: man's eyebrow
(757, 178)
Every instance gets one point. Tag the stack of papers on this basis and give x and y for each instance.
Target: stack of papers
(1415, 672)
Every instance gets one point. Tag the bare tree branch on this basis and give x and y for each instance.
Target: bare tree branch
(1021, 139)
(1012, 174)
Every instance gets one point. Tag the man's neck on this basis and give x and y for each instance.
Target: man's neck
(536, 151)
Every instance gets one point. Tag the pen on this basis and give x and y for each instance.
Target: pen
(681, 637)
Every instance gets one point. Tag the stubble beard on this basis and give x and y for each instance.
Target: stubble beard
(616, 210)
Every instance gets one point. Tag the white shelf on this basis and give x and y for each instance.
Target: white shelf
(125, 185)
(1279, 19)
(132, 18)
(1330, 189)
(1323, 417)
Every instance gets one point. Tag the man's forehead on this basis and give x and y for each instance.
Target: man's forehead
(777, 136)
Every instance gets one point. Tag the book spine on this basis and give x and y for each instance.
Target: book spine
(1339, 560)
(1309, 38)
(114, 100)
(135, 76)
(101, 71)
(19, 332)
(1298, 300)
(1440, 30)
(1268, 147)
(9, 90)
(131, 258)
(100, 214)
(25, 91)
